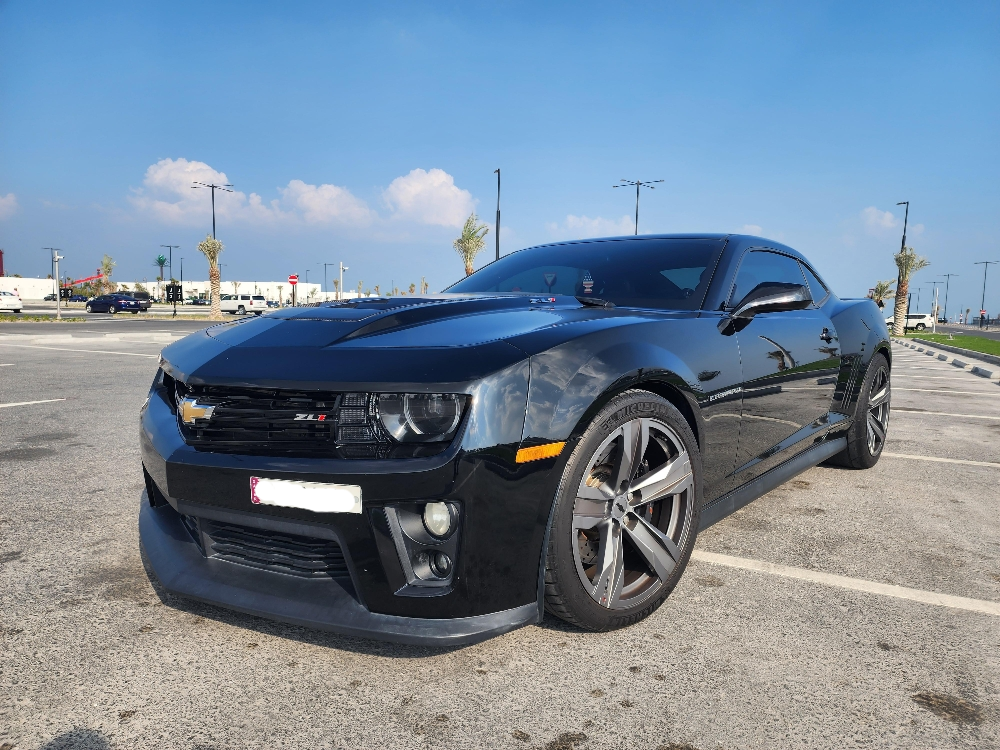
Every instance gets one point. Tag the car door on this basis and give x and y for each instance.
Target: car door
(790, 361)
(100, 304)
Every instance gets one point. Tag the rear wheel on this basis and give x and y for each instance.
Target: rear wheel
(867, 436)
(241, 310)
(112, 310)
(626, 515)
(920, 326)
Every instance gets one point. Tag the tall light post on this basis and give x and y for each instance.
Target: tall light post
(340, 290)
(933, 284)
(324, 274)
(947, 283)
(638, 184)
(170, 252)
(56, 257)
(906, 217)
(497, 172)
(982, 305)
(213, 188)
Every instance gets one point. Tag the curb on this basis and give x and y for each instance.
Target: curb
(976, 367)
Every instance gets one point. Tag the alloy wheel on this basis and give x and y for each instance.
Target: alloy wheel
(633, 509)
(878, 411)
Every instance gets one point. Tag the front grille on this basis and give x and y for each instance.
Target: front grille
(306, 557)
(281, 422)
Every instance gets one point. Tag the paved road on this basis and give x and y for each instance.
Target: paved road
(93, 656)
(992, 333)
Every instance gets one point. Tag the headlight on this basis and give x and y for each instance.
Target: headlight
(421, 417)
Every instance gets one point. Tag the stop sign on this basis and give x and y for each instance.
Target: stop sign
(293, 279)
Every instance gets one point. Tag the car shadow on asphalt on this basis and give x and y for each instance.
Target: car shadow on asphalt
(77, 739)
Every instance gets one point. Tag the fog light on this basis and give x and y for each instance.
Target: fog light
(440, 564)
(437, 519)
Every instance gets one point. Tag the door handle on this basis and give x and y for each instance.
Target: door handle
(826, 336)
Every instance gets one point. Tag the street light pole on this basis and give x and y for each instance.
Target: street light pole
(906, 218)
(946, 285)
(982, 305)
(340, 290)
(325, 290)
(497, 171)
(225, 187)
(638, 184)
(56, 257)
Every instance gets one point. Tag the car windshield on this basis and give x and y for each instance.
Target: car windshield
(661, 273)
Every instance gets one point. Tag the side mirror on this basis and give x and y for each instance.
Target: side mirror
(773, 297)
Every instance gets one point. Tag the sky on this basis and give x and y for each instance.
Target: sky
(366, 133)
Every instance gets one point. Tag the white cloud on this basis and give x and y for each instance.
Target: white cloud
(754, 229)
(878, 221)
(429, 198)
(423, 197)
(8, 206)
(581, 227)
(326, 203)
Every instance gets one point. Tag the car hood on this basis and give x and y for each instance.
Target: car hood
(395, 341)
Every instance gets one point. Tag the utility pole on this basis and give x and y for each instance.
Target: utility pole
(982, 305)
(638, 184)
(935, 316)
(56, 257)
(497, 171)
(213, 188)
(906, 217)
(340, 289)
(947, 283)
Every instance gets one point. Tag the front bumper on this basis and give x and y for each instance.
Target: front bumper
(324, 604)
(496, 585)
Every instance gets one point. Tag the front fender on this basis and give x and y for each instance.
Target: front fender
(566, 381)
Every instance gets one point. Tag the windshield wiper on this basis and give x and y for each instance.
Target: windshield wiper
(595, 302)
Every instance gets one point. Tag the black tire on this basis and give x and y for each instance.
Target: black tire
(866, 437)
(88, 308)
(135, 312)
(112, 310)
(920, 326)
(617, 594)
(241, 310)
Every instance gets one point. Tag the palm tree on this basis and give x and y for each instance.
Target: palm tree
(882, 290)
(211, 248)
(236, 287)
(908, 263)
(413, 288)
(281, 300)
(377, 293)
(471, 241)
(105, 284)
(360, 284)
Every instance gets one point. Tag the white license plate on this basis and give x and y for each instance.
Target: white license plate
(315, 496)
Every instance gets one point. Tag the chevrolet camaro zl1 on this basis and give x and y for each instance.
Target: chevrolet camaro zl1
(550, 433)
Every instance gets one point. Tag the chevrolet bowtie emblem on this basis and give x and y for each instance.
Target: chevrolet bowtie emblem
(191, 410)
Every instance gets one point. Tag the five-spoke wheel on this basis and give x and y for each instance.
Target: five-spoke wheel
(626, 518)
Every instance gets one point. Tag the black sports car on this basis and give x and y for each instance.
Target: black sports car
(550, 433)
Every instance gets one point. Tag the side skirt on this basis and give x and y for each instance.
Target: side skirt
(736, 499)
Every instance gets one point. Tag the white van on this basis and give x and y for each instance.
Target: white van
(241, 304)
(917, 321)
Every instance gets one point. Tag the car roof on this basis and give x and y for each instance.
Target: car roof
(744, 240)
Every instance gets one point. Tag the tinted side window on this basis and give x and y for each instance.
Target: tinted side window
(761, 266)
(816, 287)
(244, 296)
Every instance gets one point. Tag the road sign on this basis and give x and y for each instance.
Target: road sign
(65, 292)
(174, 293)
(293, 279)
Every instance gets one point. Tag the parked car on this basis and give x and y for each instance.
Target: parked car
(78, 298)
(143, 298)
(273, 303)
(241, 304)
(49, 298)
(917, 321)
(113, 303)
(10, 301)
(551, 434)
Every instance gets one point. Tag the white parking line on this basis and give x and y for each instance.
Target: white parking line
(901, 410)
(854, 584)
(937, 459)
(91, 351)
(931, 377)
(29, 403)
(943, 390)
(7, 364)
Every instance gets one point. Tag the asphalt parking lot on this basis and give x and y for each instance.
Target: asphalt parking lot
(767, 641)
